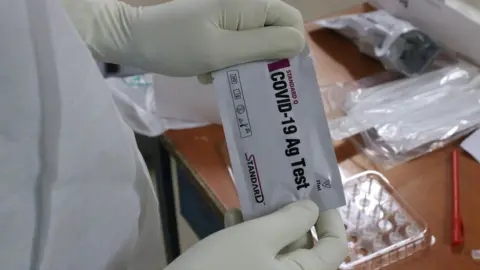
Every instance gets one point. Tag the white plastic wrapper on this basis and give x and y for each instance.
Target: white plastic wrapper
(134, 97)
(396, 43)
(277, 135)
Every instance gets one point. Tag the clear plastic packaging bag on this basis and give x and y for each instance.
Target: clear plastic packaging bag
(399, 45)
(405, 118)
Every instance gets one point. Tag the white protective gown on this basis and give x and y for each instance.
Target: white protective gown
(74, 191)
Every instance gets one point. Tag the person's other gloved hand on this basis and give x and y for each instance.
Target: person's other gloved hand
(234, 217)
(188, 37)
(257, 244)
(326, 221)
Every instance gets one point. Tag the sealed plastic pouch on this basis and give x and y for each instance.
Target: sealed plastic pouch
(277, 135)
(406, 118)
(399, 45)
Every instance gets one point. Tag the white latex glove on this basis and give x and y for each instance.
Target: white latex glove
(188, 37)
(256, 244)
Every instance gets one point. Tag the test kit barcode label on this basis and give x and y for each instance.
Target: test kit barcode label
(239, 104)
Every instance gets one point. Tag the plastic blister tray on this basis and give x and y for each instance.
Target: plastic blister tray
(382, 229)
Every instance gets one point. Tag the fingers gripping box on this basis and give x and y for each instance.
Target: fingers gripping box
(277, 135)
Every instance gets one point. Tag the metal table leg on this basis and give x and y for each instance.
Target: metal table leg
(164, 185)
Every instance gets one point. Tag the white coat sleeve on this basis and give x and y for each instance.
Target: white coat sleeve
(74, 192)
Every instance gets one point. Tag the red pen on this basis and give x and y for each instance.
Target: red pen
(457, 224)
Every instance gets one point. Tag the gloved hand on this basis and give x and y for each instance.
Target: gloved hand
(188, 37)
(256, 244)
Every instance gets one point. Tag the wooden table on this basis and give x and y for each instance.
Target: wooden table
(424, 183)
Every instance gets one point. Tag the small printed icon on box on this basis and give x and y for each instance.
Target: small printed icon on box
(233, 79)
(240, 109)
(242, 122)
(237, 94)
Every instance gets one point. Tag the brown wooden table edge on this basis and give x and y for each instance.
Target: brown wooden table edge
(202, 185)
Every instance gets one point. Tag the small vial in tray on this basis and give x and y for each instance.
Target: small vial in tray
(412, 230)
(358, 221)
(353, 191)
(376, 213)
(391, 207)
(370, 232)
(395, 237)
(385, 226)
(364, 202)
(379, 243)
(400, 219)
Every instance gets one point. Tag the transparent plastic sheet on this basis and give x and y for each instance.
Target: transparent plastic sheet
(405, 118)
(396, 43)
